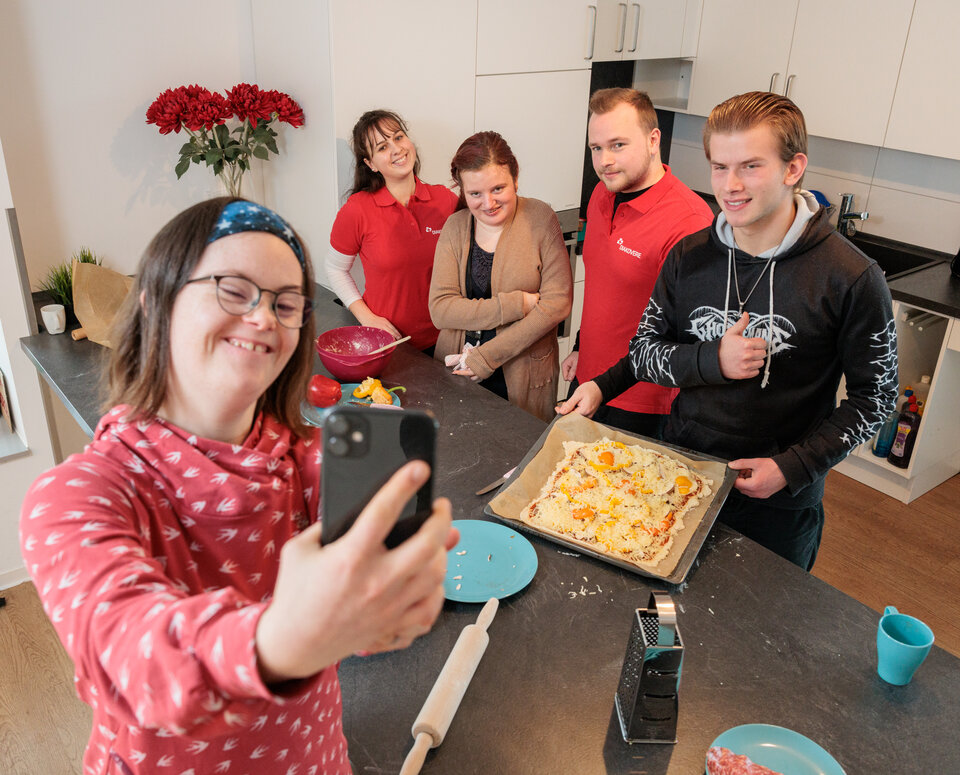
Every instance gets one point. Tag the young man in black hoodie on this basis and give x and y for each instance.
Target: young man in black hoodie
(755, 319)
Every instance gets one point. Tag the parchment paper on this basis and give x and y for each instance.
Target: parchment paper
(98, 293)
(527, 482)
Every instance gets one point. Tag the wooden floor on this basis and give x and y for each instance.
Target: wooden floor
(919, 574)
(43, 726)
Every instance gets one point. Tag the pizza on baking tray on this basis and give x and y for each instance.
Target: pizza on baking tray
(626, 499)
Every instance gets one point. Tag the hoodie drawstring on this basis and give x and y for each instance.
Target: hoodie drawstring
(766, 364)
(726, 301)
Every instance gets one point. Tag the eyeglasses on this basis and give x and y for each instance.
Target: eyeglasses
(239, 296)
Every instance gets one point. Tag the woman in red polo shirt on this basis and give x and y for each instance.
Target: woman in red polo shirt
(392, 221)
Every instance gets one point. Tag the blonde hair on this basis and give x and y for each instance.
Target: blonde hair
(745, 111)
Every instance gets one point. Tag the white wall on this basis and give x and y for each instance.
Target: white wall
(294, 56)
(910, 197)
(85, 169)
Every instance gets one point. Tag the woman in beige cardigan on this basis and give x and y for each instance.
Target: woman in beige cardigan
(501, 280)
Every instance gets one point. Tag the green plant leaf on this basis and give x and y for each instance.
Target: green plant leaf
(218, 167)
(186, 148)
(213, 155)
(85, 256)
(260, 152)
(244, 164)
(223, 134)
(272, 145)
(182, 166)
(59, 284)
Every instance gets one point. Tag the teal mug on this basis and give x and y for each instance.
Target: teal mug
(903, 642)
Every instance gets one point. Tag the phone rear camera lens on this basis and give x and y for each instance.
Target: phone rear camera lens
(339, 446)
(338, 424)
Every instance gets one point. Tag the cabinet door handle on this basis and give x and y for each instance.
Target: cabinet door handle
(636, 28)
(786, 92)
(773, 82)
(591, 29)
(622, 24)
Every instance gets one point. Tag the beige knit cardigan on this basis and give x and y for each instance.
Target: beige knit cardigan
(530, 256)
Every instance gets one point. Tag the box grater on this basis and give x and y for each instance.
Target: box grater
(646, 699)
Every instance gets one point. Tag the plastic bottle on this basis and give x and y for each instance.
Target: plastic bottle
(921, 389)
(906, 437)
(904, 401)
(883, 441)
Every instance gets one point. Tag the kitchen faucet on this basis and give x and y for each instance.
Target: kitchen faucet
(846, 217)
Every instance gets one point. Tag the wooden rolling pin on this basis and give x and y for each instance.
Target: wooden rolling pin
(438, 711)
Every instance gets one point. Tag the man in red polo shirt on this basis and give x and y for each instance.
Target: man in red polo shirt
(637, 212)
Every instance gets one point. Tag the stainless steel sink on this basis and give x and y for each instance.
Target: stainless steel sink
(897, 259)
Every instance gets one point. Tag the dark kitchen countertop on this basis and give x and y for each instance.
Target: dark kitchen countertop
(933, 288)
(764, 641)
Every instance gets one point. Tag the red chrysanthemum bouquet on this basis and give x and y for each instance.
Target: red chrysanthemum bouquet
(203, 114)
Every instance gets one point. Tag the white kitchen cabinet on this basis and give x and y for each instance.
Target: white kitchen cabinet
(534, 35)
(639, 29)
(926, 106)
(744, 46)
(543, 116)
(837, 61)
(844, 63)
(933, 348)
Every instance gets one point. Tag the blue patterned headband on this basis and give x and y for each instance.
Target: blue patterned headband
(242, 216)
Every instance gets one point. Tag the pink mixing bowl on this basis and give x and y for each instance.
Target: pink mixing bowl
(343, 352)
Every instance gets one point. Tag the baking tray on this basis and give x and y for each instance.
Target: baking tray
(679, 572)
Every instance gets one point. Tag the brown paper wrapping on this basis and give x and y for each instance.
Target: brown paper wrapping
(513, 501)
(98, 293)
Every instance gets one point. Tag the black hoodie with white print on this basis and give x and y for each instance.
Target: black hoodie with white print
(823, 308)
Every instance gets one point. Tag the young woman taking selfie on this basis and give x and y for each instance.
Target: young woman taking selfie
(179, 555)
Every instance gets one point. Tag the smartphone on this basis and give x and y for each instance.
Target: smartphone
(362, 448)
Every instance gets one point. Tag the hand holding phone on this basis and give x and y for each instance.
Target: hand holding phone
(355, 595)
(362, 448)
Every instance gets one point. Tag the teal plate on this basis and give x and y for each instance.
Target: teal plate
(313, 415)
(491, 560)
(780, 749)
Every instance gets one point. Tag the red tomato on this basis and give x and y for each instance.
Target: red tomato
(323, 391)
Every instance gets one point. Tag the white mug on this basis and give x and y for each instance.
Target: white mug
(54, 318)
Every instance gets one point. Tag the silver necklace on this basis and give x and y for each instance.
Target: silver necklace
(736, 282)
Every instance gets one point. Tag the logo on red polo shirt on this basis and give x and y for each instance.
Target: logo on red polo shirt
(625, 249)
(432, 231)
